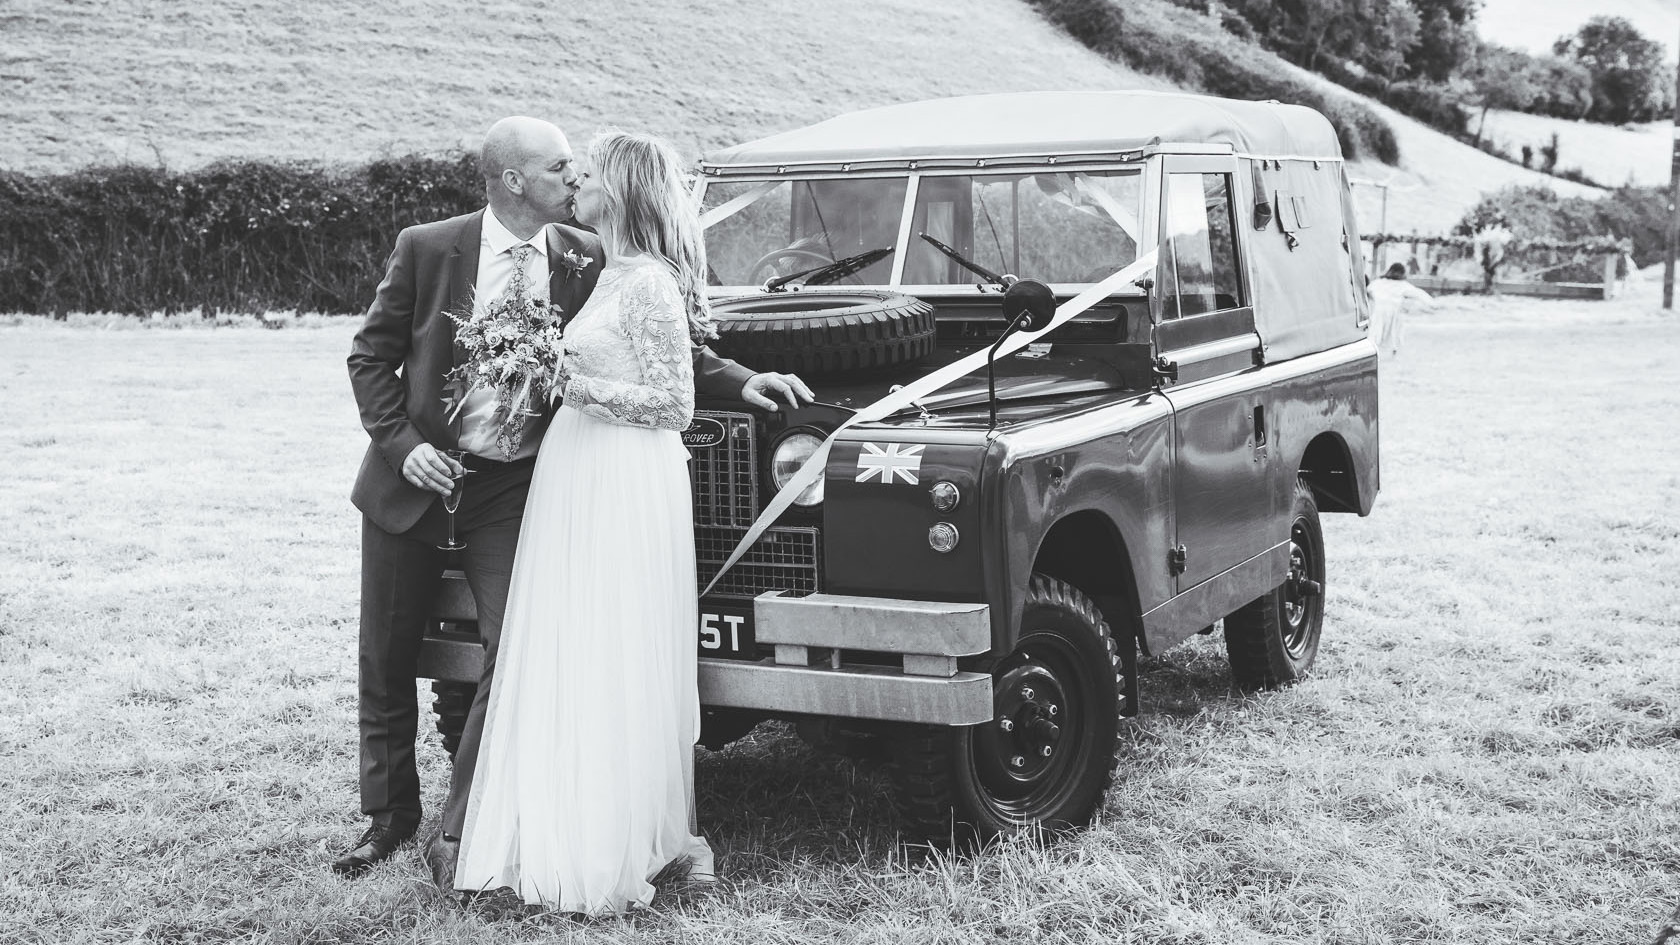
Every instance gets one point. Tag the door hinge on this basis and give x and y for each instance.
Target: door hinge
(1164, 370)
(1178, 559)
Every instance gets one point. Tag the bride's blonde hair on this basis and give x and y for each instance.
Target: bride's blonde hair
(649, 210)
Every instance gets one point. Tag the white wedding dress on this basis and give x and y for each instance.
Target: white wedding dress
(585, 781)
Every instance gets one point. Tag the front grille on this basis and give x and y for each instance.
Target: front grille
(725, 479)
(725, 476)
(783, 559)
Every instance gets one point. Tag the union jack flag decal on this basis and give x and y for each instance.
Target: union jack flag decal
(893, 460)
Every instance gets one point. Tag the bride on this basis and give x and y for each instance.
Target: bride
(584, 788)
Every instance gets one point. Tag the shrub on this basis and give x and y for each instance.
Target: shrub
(1100, 26)
(1636, 214)
(1429, 103)
(241, 235)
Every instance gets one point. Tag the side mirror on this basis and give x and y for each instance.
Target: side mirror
(1028, 305)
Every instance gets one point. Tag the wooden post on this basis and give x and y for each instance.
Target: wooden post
(1673, 201)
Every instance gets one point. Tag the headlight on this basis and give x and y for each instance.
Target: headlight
(946, 495)
(790, 454)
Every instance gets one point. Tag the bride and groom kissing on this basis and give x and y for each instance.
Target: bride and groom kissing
(573, 780)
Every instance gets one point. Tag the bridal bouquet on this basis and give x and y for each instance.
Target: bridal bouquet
(513, 347)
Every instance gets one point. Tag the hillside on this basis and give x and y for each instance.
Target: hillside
(1438, 179)
(85, 82)
(91, 82)
(1534, 24)
(1636, 154)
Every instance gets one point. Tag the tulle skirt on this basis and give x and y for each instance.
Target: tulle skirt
(584, 785)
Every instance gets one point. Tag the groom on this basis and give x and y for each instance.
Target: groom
(397, 366)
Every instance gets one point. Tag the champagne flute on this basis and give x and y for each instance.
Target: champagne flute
(452, 501)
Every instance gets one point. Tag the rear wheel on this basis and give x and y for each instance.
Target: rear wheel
(451, 701)
(720, 726)
(1273, 640)
(1047, 757)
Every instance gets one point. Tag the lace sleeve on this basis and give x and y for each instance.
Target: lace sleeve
(651, 315)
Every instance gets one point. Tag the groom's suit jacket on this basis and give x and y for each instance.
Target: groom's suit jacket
(432, 271)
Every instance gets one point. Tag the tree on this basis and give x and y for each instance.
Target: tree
(1629, 76)
(1388, 32)
(1375, 35)
(1501, 78)
(1314, 27)
(1446, 39)
(1566, 88)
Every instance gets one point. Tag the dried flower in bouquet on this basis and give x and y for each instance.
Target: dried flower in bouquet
(512, 346)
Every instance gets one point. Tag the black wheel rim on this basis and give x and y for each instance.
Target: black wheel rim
(1303, 590)
(1026, 760)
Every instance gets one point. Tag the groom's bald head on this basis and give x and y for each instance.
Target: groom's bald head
(514, 143)
(527, 168)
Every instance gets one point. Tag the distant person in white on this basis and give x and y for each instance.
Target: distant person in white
(1391, 296)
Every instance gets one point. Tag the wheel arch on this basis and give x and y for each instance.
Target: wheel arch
(1327, 467)
(1087, 550)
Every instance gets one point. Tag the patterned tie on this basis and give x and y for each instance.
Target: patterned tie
(519, 283)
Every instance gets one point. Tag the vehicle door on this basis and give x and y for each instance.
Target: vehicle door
(1206, 350)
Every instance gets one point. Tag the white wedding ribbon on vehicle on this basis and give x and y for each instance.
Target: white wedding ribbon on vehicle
(740, 202)
(917, 390)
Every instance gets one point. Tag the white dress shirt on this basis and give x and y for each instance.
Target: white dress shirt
(495, 267)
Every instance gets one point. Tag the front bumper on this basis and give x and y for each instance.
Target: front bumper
(809, 674)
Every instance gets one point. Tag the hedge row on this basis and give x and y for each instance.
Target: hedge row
(1536, 214)
(1434, 105)
(1216, 63)
(235, 236)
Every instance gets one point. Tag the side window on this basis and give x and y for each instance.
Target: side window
(1200, 274)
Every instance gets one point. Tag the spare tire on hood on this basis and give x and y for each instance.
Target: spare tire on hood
(824, 332)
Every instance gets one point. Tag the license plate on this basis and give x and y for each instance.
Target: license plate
(727, 632)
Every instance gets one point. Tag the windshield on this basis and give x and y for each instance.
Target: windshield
(764, 229)
(1057, 227)
(1066, 227)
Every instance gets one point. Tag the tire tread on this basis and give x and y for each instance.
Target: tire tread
(925, 757)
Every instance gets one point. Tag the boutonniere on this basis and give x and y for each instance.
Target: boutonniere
(575, 261)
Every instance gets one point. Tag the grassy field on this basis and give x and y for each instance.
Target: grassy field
(1487, 753)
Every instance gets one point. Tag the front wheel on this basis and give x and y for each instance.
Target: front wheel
(1273, 640)
(1047, 757)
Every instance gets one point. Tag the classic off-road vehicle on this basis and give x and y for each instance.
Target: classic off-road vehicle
(973, 577)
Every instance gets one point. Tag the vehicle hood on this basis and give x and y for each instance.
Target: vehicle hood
(1022, 381)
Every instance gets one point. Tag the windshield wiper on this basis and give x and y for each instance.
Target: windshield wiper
(828, 272)
(967, 263)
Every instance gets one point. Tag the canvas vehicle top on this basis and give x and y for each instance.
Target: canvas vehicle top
(1051, 185)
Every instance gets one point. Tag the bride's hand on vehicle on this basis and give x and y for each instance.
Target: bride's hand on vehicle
(760, 388)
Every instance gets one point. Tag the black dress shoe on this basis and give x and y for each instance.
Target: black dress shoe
(440, 859)
(378, 843)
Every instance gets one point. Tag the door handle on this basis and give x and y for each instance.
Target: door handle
(1259, 428)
